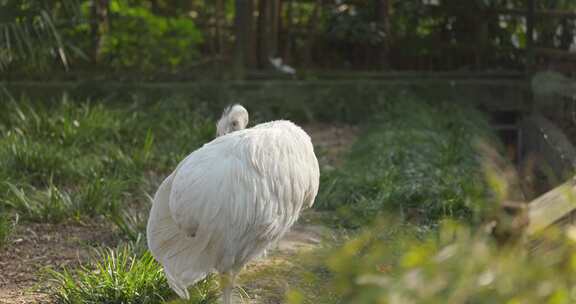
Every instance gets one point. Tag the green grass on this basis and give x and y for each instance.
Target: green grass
(118, 276)
(46, 205)
(127, 274)
(71, 160)
(416, 159)
(6, 228)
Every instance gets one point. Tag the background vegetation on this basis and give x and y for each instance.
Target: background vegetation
(175, 39)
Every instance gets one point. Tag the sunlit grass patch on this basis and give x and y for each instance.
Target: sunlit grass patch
(116, 276)
(127, 274)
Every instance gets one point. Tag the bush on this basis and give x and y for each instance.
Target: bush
(146, 41)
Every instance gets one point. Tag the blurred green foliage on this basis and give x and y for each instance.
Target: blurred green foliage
(395, 263)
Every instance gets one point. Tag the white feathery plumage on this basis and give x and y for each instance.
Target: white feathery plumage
(228, 201)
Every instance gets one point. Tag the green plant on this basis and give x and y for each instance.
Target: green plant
(145, 41)
(454, 264)
(30, 32)
(49, 205)
(127, 274)
(6, 227)
(117, 276)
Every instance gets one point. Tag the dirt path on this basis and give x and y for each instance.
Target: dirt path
(34, 247)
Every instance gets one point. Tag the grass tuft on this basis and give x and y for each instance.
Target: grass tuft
(127, 274)
(7, 225)
(48, 205)
(118, 276)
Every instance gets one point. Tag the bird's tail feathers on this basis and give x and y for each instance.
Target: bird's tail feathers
(182, 257)
(180, 289)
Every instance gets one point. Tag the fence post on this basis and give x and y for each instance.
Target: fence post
(530, 19)
(242, 18)
(530, 54)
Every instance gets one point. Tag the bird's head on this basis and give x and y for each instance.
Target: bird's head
(234, 118)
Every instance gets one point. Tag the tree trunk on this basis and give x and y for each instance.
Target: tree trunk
(242, 28)
(312, 28)
(219, 16)
(286, 51)
(383, 14)
(274, 27)
(99, 26)
(262, 44)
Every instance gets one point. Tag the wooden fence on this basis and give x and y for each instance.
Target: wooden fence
(291, 29)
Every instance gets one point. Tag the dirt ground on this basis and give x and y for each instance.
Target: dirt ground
(35, 247)
(332, 141)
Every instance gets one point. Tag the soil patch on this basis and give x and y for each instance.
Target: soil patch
(34, 247)
(332, 141)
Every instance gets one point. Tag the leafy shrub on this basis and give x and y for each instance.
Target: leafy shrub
(414, 158)
(146, 41)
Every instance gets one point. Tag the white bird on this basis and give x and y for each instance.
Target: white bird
(228, 201)
(279, 65)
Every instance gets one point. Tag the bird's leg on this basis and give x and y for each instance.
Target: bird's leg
(227, 280)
